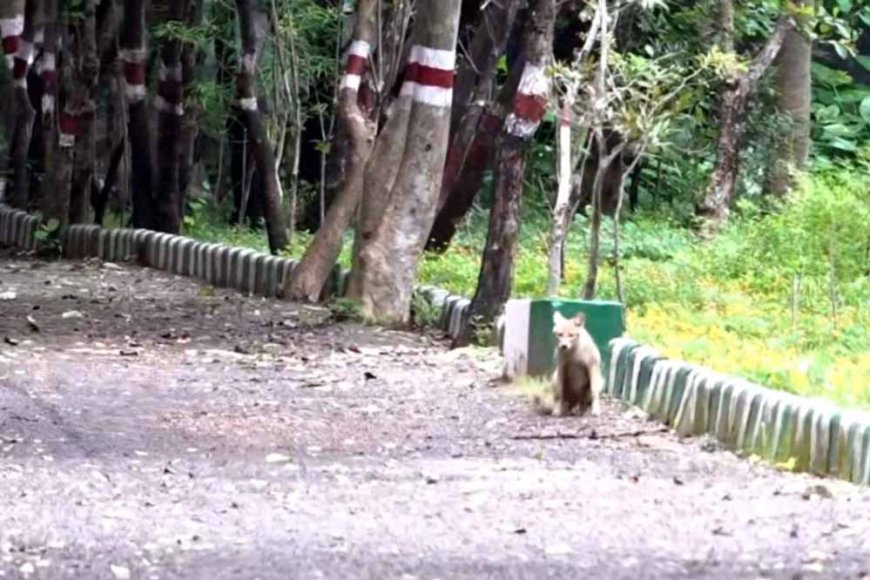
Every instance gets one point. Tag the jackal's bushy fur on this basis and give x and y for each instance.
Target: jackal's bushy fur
(577, 380)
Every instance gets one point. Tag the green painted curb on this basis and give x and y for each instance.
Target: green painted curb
(813, 435)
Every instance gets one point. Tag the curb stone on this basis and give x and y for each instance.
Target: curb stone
(815, 435)
(242, 269)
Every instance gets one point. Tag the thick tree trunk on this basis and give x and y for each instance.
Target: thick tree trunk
(529, 105)
(250, 116)
(134, 53)
(794, 97)
(380, 177)
(24, 112)
(314, 269)
(715, 207)
(388, 260)
(170, 113)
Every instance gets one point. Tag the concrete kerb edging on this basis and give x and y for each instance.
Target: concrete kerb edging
(220, 265)
(811, 435)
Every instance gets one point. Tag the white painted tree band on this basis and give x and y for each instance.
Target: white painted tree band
(248, 104)
(133, 55)
(433, 57)
(134, 93)
(165, 106)
(519, 127)
(351, 82)
(13, 26)
(360, 48)
(427, 95)
(534, 81)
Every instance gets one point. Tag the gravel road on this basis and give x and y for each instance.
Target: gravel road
(154, 428)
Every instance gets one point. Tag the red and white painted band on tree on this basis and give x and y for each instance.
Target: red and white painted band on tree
(429, 76)
(357, 61)
(530, 104)
(68, 129)
(22, 61)
(134, 74)
(11, 30)
(169, 90)
(46, 68)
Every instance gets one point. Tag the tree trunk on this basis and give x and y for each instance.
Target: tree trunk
(83, 40)
(794, 97)
(388, 259)
(24, 113)
(134, 54)
(53, 199)
(563, 202)
(316, 265)
(606, 160)
(250, 116)
(529, 105)
(715, 207)
(190, 122)
(170, 110)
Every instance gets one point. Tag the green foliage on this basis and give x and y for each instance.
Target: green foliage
(423, 313)
(841, 115)
(48, 239)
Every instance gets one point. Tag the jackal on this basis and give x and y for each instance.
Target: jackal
(577, 380)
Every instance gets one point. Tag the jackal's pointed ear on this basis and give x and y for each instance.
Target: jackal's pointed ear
(558, 318)
(580, 319)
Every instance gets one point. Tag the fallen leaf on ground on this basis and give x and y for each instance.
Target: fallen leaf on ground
(277, 458)
(819, 490)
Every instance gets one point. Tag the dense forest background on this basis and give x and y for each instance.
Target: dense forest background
(729, 139)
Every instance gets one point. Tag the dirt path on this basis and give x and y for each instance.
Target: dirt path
(151, 430)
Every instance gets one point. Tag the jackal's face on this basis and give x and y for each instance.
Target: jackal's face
(567, 330)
